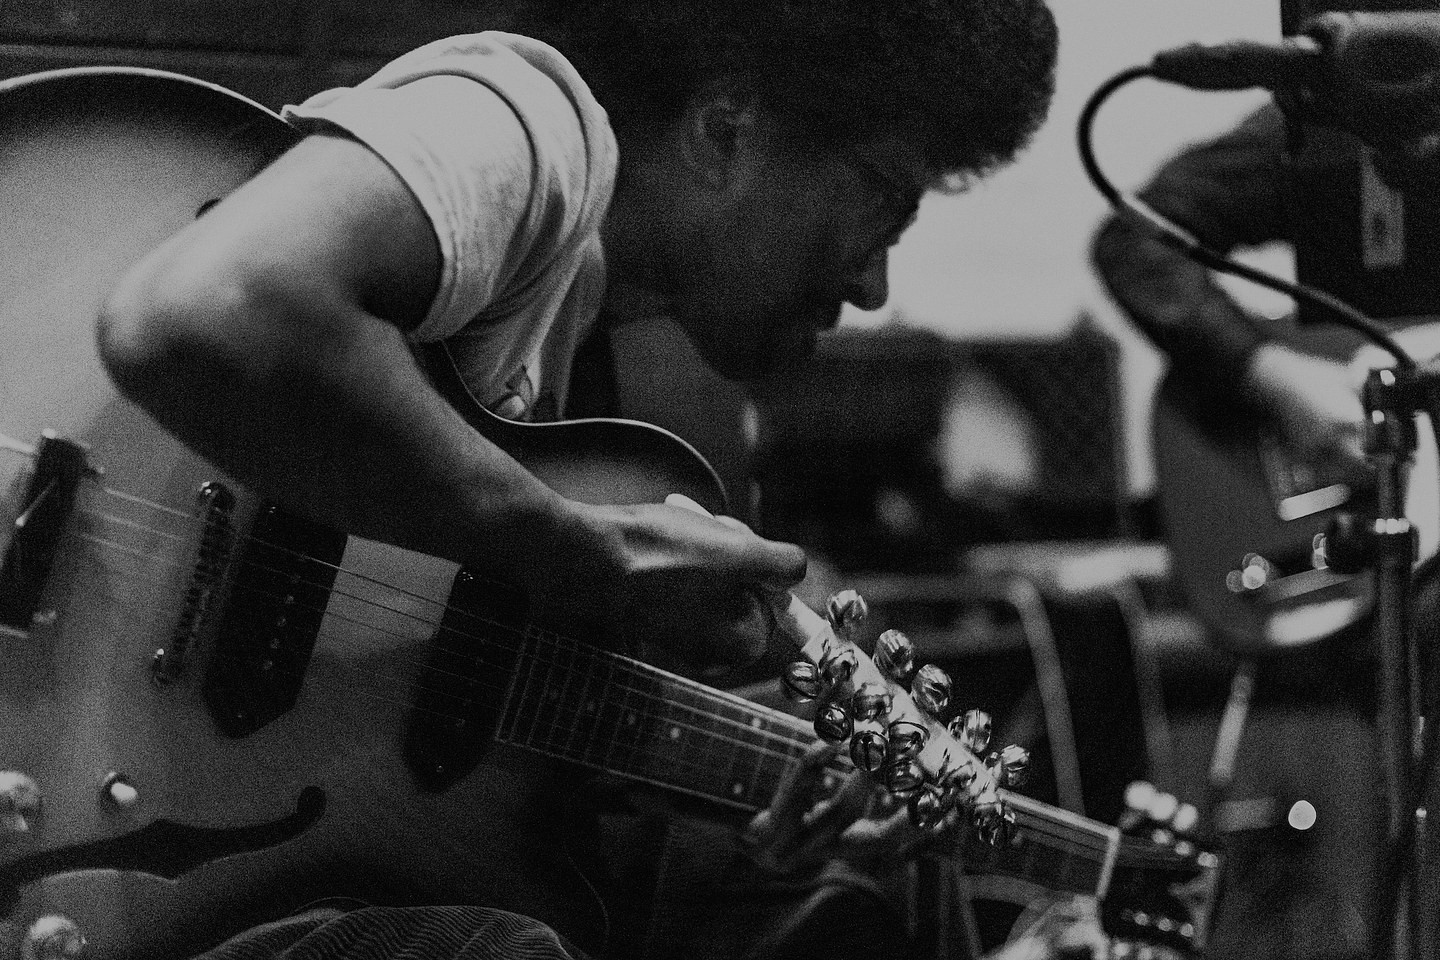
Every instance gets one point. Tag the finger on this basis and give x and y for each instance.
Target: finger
(892, 839)
(767, 562)
(826, 821)
(773, 564)
(798, 787)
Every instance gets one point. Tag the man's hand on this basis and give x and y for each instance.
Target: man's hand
(801, 831)
(681, 589)
(1313, 402)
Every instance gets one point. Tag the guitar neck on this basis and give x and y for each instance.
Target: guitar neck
(619, 716)
(623, 717)
(1057, 849)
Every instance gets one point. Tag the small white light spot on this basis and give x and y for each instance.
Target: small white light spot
(737, 789)
(756, 723)
(1302, 815)
(629, 719)
(674, 733)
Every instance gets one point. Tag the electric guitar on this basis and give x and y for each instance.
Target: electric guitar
(212, 712)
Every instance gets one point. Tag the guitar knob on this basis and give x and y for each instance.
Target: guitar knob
(845, 611)
(838, 666)
(957, 785)
(1253, 573)
(993, 823)
(19, 800)
(895, 657)
(801, 681)
(1185, 819)
(52, 937)
(868, 749)
(1010, 767)
(927, 810)
(973, 730)
(871, 702)
(833, 723)
(907, 738)
(903, 777)
(931, 690)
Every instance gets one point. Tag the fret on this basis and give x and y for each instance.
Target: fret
(583, 705)
(602, 729)
(542, 673)
(562, 662)
(631, 733)
(520, 695)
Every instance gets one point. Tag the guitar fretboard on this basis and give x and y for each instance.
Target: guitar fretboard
(621, 716)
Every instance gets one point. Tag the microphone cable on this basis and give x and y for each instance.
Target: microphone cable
(1134, 210)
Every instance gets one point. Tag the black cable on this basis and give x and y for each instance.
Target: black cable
(1342, 312)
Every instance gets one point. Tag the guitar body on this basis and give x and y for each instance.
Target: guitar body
(324, 783)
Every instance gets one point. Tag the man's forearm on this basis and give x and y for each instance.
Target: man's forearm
(330, 415)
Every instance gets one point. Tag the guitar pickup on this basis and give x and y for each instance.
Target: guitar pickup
(36, 531)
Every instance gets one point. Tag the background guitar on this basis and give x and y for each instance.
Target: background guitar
(1241, 510)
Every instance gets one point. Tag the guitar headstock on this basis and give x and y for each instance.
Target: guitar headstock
(892, 713)
(1163, 888)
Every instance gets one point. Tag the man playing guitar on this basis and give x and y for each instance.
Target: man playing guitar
(740, 168)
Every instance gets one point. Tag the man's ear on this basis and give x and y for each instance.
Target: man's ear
(719, 128)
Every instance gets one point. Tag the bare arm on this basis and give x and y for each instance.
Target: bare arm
(268, 335)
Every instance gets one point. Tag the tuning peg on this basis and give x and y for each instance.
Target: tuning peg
(993, 823)
(846, 610)
(973, 730)
(832, 722)
(960, 776)
(931, 690)
(870, 702)
(801, 681)
(895, 656)
(928, 810)
(902, 776)
(907, 738)
(868, 748)
(837, 666)
(1010, 767)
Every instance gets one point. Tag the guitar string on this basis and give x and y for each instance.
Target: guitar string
(553, 746)
(644, 762)
(571, 667)
(445, 607)
(504, 628)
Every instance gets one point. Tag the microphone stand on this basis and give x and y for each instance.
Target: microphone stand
(1392, 400)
